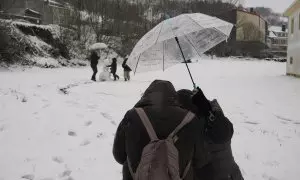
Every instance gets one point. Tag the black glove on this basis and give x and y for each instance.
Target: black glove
(201, 102)
(219, 129)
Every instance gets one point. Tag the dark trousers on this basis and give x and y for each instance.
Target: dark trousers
(95, 70)
(115, 75)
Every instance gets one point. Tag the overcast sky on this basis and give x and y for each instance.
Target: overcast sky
(277, 5)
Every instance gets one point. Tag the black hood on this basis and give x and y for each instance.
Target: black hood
(159, 93)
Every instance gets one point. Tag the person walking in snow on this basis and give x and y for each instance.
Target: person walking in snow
(94, 62)
(162, 115)
(126, 69)
(113, 68)
(219, 162)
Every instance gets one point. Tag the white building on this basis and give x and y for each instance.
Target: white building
(293, 62)
(278, 41)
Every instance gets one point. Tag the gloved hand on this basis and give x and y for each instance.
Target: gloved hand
(201, 102)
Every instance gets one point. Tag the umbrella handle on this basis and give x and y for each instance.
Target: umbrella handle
(194, 85)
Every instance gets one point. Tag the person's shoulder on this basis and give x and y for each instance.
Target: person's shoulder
(131, 113)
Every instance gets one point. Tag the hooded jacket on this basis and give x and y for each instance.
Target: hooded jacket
(125, 66)
(161, 106)
(219, 162)
(113, 66)
(94, 58)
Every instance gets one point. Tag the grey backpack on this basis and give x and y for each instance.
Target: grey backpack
(160, 159)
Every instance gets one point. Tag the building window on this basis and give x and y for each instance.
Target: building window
(292, 25)
(291, 60)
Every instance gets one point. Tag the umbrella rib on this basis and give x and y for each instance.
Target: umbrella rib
(195, 21)
(164, 56)
(159, 32)
(203, 27)
(137, 63)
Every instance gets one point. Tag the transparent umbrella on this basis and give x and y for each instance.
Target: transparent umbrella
(177, 39)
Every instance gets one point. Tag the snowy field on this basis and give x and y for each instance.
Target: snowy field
(55, 124)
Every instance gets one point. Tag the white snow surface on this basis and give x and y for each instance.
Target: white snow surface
(56, 124)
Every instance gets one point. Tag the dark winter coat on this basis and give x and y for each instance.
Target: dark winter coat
(94, 58)
(219, 163)
(113, 67)
(160, 104)
(125, 66)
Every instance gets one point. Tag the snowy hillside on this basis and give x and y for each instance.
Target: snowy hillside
(55, 124)
(47, 46)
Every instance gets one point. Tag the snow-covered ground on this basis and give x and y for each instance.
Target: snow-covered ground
(56, 124)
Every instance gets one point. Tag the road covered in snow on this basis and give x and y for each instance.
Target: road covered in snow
(57, 124)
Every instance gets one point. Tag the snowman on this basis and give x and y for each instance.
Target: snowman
(105, 74)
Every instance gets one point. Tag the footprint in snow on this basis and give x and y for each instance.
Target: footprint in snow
(69, 178)
(272, 163)
(113, 122)
(252, 123)
(267, 177)
(100, 135)
(28, 176)
(284, 118)
(92, 106)
(247, 156)
(2, 128)
(72, 133)
(106, 116)
(45, 106)
(88, 123)
(85, 143)
(57, 159)
(65, 173)
(258, 103)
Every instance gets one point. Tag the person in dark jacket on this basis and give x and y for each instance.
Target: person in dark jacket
(126, 69)
(161, 106)
(219, 162)
(113, 68)
(94, 62)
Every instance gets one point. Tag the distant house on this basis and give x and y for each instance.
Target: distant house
(37, 11)
(249, 35)
(277, 41)
(293, 63)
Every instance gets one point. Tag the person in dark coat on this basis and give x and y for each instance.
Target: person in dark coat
(126, 69)
(219, 162)
(113, 68)
(161, 106)
(94, 62)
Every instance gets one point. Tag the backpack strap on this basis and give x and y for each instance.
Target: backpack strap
(188, 118)
(130, 168)
(147, 124)
(186, 170)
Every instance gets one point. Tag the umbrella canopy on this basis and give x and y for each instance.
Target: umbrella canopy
(196, 33)
(97, 46)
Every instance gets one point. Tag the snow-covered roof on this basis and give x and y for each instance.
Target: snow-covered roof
(276, 29)
(272, 34)
(284, 19)
(33, 11)
(56, 4)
